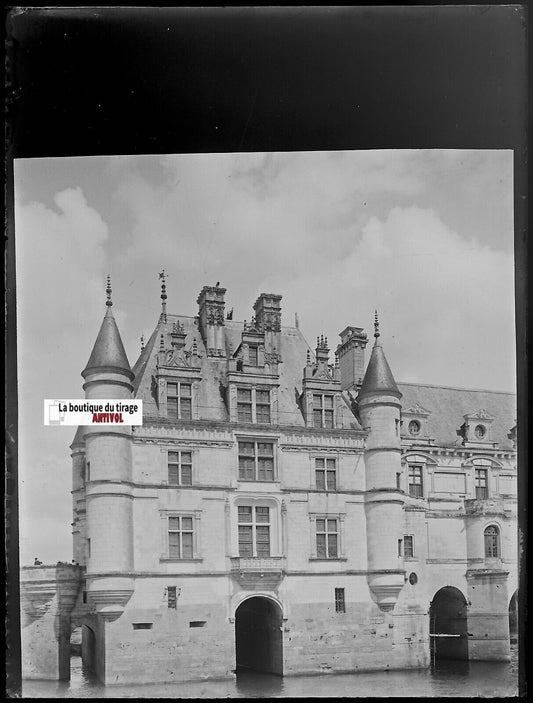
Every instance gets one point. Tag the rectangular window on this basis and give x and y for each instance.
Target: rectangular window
(252, 355)
(340, 604)
(142, 625)
(400, 547)
(88, 471)
(172, 600)
(180, 468)
(180, 537)
(326, 538)
(254, 531)
(246, 399)
(88, 547)
(325, 474)
(322, 410)
(262, 406)
(179, 401)
(408, 550)
(256, 461)
(481, 484)
(398, 481)
(415, 481)
(244, 405)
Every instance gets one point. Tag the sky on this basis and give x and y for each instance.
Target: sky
(423, 236)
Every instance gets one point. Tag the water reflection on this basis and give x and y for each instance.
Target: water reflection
(445, 679)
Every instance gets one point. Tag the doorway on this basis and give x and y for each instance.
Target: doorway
(448, 625)
(258, 636)
(513, 618)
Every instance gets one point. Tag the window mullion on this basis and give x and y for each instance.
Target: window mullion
(254, 412)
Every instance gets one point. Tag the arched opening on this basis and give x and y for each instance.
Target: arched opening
(513, 618)
(88, 649)
(448, 625)
(258, 636)
(491, 538)
(75, 653)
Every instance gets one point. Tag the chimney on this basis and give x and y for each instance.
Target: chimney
(351, 353)
(211, 323)
(267, 310)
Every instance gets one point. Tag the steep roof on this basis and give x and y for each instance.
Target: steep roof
(447, 406)
(108, 350)
(293, 350)
(78, 437)
(378, 376)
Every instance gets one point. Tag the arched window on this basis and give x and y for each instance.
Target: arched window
(492, 538)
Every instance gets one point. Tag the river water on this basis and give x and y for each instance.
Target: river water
(446, 679)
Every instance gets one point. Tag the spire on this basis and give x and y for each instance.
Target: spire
(378, 377)
(108, 351)
(163, 317)
(108, 291)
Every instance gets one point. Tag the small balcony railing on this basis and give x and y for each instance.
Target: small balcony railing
(258, 572)
(484, 506)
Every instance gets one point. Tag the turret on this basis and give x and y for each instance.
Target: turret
(108, 491)
(379, 409)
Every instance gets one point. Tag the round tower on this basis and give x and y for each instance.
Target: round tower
(379, 409)
(108, 476)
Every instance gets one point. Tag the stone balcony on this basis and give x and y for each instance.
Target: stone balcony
(258, 573)
(485, 506)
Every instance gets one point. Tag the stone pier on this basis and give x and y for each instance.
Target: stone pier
(48, 595)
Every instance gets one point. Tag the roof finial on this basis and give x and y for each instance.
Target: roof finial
(108, 302)
(163, 317)
(376, 324)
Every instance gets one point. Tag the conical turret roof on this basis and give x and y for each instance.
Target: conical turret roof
(108, 350)
(378, 377)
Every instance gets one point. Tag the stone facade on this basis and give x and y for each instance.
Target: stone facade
(278, 511)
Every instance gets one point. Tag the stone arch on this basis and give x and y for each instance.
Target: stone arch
(258, 635)
(258, 594)
(448, 624)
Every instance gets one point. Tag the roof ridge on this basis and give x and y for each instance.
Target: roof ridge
(454, 388)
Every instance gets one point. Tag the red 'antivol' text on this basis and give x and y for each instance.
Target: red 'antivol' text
(107, 417)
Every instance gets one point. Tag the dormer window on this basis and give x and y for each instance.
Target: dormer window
(253, 355)
(179, 401)
(253, 405)
(480, 432)
(244, 404)
(322, 410)
(414, 427)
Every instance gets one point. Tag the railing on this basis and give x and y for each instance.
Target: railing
(481, 506)
(257, 564)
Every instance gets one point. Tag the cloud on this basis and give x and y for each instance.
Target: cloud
(60, 258)
(424, 236)
(443, 298)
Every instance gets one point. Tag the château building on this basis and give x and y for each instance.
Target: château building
(285, 508)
